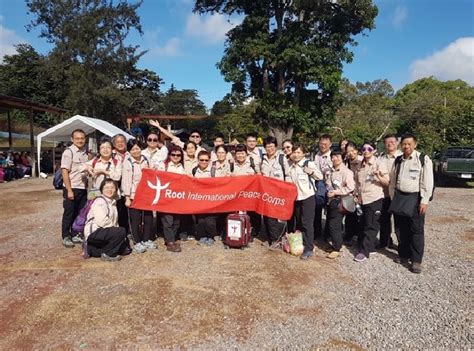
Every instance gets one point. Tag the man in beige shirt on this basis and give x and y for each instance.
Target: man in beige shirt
(411, 180)
(74, 185)
(252, 148)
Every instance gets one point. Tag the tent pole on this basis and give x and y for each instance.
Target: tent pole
(10, 140)
(32, 143)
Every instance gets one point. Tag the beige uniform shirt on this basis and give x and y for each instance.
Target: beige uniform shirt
(203, 173)
(155, 157)
(244, 169)
(103, 214)
(221, 169)
(131, 175)
(323, 161)
(272, 167)
(341, 180)
(255, 154)
(305, 186)
(115, 170)
(412, 177)
(190, 164)
(171, 167)
(73, 160)
(228, 156)
(177, 141)
(387, 161)
(368, 186)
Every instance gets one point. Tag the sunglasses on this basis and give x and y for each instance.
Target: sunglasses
(152, 139)
(367, 148)
(176, 155)
(204, 160)
(195, 136)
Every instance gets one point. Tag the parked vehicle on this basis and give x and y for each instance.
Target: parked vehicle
(456, 163)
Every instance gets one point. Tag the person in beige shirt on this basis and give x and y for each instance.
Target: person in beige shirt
(103, 166)
(371, 176)
(156, 152)
(74, 185)
(352, 221)
(253, 150)
(339, 182)
(411, 184)
(304, 173)
(219, 141)
(190, 157)
(221, 166)
(104, 238)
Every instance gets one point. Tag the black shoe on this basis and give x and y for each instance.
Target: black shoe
(306, 255)
(415, 268)
(381, 247)
(105, 257)
(400, 260)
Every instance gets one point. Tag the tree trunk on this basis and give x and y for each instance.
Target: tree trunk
(281, 134)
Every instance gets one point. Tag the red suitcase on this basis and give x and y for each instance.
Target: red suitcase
(238, 230)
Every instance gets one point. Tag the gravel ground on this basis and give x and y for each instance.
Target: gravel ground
(211, 298)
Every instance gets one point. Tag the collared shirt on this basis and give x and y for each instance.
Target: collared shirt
(155, 157)
(102, 214)
(387, 161)
(245, 169)
(114, 168)
(353, 164)
(190, 163)
(412, 177)
(368, 186)
(120, 156)
(323, 161)
(255, 154)
(221, 169)
(341, 180)
(203, 173)
(272, 167)
(304, 184)
(171, 167)
(228, 156)
(131, 175)
(72, 160)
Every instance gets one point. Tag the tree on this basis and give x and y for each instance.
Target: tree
(283, 47)
(438, 113)
(182, 102)
(91, 56)
(366, 110)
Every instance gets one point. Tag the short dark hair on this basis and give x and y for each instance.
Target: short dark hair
(185, 146)
(222, 146)
(251, 135)
(336, 152)
(78, 130)
(287, 141)
(240, 148)
(270, 140)
(326, 136)
(105, 140)
(390, 135)
(108, 181)
(204, 153)
(195, 131)
(409, 135)
(153, 132)
(297, 146)
(132, 142)
(219, 135)
(351, 144)
(175, 148)
(341, 141)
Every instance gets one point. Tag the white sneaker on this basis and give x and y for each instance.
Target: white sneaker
(139, 248)
(149, 245)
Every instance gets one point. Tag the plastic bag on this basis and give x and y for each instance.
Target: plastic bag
(295, 240)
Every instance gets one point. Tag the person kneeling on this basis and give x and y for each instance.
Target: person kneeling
(105, 239)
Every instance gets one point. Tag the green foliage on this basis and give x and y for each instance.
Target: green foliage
(239, 122)
(182, 102)
(282, 47)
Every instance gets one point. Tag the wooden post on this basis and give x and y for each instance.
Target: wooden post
(10, 140)
(32, 144)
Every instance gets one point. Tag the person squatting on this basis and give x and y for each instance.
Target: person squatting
(359, 189)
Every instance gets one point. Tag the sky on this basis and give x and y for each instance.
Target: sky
(412, 39)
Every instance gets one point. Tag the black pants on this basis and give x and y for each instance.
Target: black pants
(206, 226)
(334, 222)
(274, 228)
(71, 209)
(122, 214)
(141, 224)
(221, 224)
(111, 241)
(186, 225)
(353, 226)
(386, 224)
(256, 222)
(412, 236)
(170, 226)
(304, 214)
(371, 225)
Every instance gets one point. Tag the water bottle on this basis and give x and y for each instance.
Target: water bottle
(359, 210)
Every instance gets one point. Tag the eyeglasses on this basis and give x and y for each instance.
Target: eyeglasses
(204, 160)
(152, 140)
(195, 136)
(176, 155)
(367, 148)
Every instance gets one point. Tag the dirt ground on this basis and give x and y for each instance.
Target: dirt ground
(52, 298)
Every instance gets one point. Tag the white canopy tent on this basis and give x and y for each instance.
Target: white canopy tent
(62, 131)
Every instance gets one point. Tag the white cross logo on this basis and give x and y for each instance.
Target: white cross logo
(158, 189)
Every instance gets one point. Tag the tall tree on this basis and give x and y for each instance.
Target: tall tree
(90, 52)
(182, 102)
(282, 47)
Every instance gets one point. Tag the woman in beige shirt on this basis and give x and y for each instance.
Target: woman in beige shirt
(190, 157)
(370, 177)
(104, 238)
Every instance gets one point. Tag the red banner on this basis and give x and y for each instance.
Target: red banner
(181, 194)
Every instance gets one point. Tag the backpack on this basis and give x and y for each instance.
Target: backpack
(252, 164)
(81, 219)
(114, 160)
(398, 161)
(320, 189)
(58, 181)
(213, 170)
(131, 162)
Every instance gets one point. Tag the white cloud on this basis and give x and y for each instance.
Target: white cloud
(171, 48)
(456, 61)
(400, 15)
(8, 40)
(211, 29)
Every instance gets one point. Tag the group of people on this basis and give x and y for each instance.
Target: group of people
(15, 165)
(357, 188)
